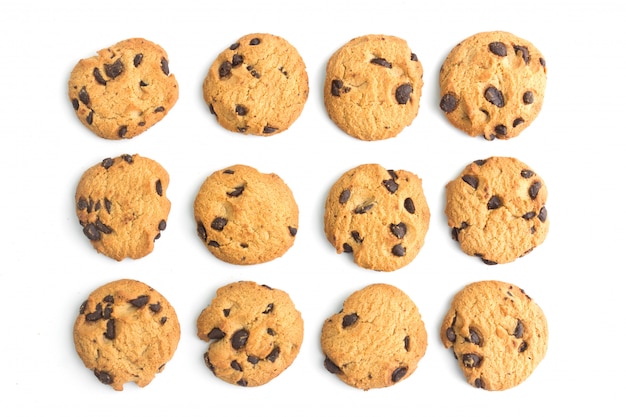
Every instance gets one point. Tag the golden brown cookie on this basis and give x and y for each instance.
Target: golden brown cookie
(255, 333)
(121, 204)
(257, 86)
(373, 87)
(376, 340)
(126, 332)
(124, 90)
(493, 84)
(497, 332)
(379, 216)
(246, 217)
(496, 209)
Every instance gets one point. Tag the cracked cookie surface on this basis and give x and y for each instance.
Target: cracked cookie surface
(498, 334)
(373, 87)
(124, 90)
(496, 209)
(244, 216)
(379, 216)
(257, 86)
(122, 205)
(126, 332)
(255, 333)
(376, 340)
(493, 84)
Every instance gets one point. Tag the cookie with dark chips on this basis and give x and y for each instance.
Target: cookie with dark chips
(122, 206)
(124, 90)
(255, 333)
(376, 340)
(493, 84)
(498, 334)
(126, 331)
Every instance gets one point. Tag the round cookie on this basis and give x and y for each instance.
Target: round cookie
(379, 216)
(255, 333)
(257, 86)
(121, 204)
(126, 332)
(373, 87)
(124, 90)
(246, 217)
(493, 84)
(376, 340)
(497, 332)
(496, 209)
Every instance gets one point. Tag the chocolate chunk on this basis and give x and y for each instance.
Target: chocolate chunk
(241, 110)
(236, 192)
(528, 97)
(140, 301)
(448, 103)
(533, 191)
(273, 354)
(519, 49)
(349, 320)
(98, 76)
(216, 334)
(253, 359)
(201, 231)
(494, 203)
(83, 96)
(137, 60)
(219, 223)
(399, 373)
(498, 48)
(337, 88)
(381, 61)
(398, 230)
(114, 70)
(494, 96)
(391, 186)
(331, 367)
(344, 196)
(224, 70)
(472, 360)
(239, 339)
(403, 93)
(471, 180)
(91, 231)
(165, 66)
(235, 365)
(519, 330)
(104, 377)
(95, 315)
(398, 250)
(409, 205)
(543, 214)
(110, 332)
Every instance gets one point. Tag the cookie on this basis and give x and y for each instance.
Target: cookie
(493, 84)
(373, 87)
(496, 209)
(246, 217)
(122, 206)
(126, 332)
(376, 340)
(124, 90)
(497, 332)
(379, 216)
(257, 86)
(255, 333)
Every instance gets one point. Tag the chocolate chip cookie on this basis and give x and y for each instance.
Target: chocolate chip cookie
(376, 340)
(126, 332)
(373, 87)
(493, 84)
(122, 206)
(255, 333)
(496, 209)
(498, 334)
(124, 90)
(246, 217)
(379, 216)
(257, 86)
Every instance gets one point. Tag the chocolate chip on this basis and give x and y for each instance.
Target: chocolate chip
(480, 162)
(494, 203)
(414, 57)
(122, 131)
(242, 383)
(241, 110)
(501, 130)
(235, 365)
(337, 88)
(522, 347)
(253, 359)
(494, 96)
(201, 231)
(107, 163)
(83, 96)
(91, 231)
(398, 230)
(331, 367)
(155, 308)
(471, 180)
(479, 383)
(519, 330)
(165, 66)
(98, 76)
(213, 244)
(159, 188)
(363, 208)
(137, 60)
(523, 51)
(83, 307)
(543, 214)
(349, 320)
(234, 46)
(142, 83)
(498, 48)
(269, 308)
(399, 373)
(529, 215)
(486, 261)
(162, 225)
(224, 69)
(103, 227)
(533, 191)
(269, 129)
(528, 97)
(398, 250)
(255, 41)
(518, 122)
(527, 173)
(542, 61)
(344, 196)
(271, 332)
(237, 60)
(407, 343)
(218, 224)
(391, 186)
(216, 334)
(474, 337)
(273, 354)
(450, 335)
(110, 332)
(140, 301)
(409, 205)
(95, 315)
(253, 72)
(356, 236)
(472, 360)
(236, 192)
(347, 248)
(448, 103)
(239, 339)
(403, 93)
(104, 377)
(292, 230)
(381, 61)
(226, 312)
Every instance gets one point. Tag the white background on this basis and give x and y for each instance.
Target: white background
(47, 267)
